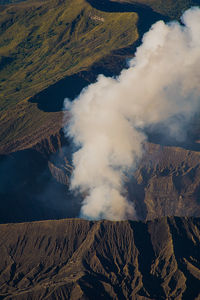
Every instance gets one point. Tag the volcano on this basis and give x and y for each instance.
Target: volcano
(52, 50)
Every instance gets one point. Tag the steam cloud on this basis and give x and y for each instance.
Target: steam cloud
(109, 116)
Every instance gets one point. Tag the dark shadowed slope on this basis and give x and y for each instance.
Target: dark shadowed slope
(172, 9)
(77, 259)
(34, 182)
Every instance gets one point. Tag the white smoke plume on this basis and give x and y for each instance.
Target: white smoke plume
(108, 117)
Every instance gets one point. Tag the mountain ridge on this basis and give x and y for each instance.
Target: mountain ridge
(79, 259)
(62, 41)
(157, 258)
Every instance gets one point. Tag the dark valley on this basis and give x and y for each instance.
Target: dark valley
(52, 50)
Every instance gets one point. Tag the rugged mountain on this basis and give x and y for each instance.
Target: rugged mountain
(44, 42)
(51, 50)
(77, 259)
(34, 182)
(62, 46)
(166, 182)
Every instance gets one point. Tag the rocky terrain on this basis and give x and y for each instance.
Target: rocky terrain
(166, 182)
(35, 157)
(51, 50)
(77, 259)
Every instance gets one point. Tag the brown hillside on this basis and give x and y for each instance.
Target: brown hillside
(77, 259)
(167, 182)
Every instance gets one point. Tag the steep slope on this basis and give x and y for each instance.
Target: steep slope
(34, 182)
(77, 259)
(56, 39)
(51, 50)
(172, 9)
(43, 42)
(167, 182)
(33, 36)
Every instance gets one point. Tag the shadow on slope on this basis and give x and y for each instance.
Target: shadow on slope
(51, 99)
(146, 14)
(187, 139)
(28, 191)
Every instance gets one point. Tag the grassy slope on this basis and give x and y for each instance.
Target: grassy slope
(42, 42)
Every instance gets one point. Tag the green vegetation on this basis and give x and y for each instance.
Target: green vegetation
(42, 42)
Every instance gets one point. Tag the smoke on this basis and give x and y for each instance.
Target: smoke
(161, 85)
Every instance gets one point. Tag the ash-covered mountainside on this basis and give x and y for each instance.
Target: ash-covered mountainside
(165, 183)
(61, 48)
(77, 259)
